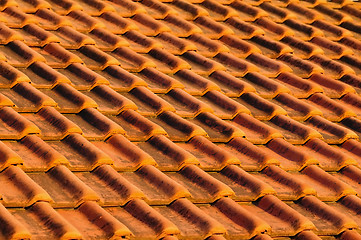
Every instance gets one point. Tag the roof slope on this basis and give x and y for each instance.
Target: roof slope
(183, 119)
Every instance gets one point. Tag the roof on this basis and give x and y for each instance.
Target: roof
(180, 119)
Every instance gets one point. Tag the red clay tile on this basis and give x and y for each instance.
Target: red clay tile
(82, 22)
(303, 31)
(331, 49)
(235, 66)
(332, 32)
(269, 47)
(115, 23)
(130, 60)
(120, 79)
(211, 28)
(332, 15)
(209, 155)
(173, 44)
(273, 30)
(202, 65)
(301, 49)
(255, 131)
(68, 99)
(157, 9)
(141, 43)
(127, 8)
(166, 62)
(58, 57)
(246, 12)
(9, 156)
(63, 7)
(69, 38)
(300, 67)
(333, 88)
(332, 68)
(15, 18)
(36, 154)
(243, 30)
(127, 156)
(64, 187)
(188, 216)
(36, 36)
(188, 10)
(50, 20)
(196, 84)
(95, 7)
(91, 216)
(205, 46)
(159, 189)
(217, 11)
(276, 13)
(148, 25)
(10, 76)
(327, 219)
(8, 35)
(180, 27)
(304, 14)
(52, 124)
(19, 190)
(105, 40)
(268, 67)
(349, 235)
(239, 47)
(307, 235)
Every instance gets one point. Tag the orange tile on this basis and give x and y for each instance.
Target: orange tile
(69, 38)
(174, 45)
(106, 41)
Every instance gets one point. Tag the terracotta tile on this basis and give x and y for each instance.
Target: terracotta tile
(239, 223)
(65, 188)
(303, 31)
(230, 85)
(126, 155)
(300, 67)
(95, 7)
(15, 18)
(202, 65)
(187, 10)
(301, 49)
(304, 235)
(15, 126)
(238, 47)
(289, 156)
(350, 175)
(195, 84)
(209, 155)
(332, 15)
(211, 28)
(246, 12)
(8, 4)
(268, 67)
(33, 35)
(157, 9)
(332, 68)
(26, 98)
(222, 106)
(262, 237)
(82, 78)
(82, 22)
(352, 148)
(269, 47)
(115, 23)
(144, 221)
(327, 219)
(93, 58)
(273, 30)
(8, 35)
(207, 47)
(299, 87)
(52, 124)
(276, 13)
(350, 234)
(297, 109)
(43, 221)
(191, 220)
(41, 76)
(349, 205)
(120, 79)
(91, 216)
(217, 11)
(64, 7)
(304, 14)
(252, 158)
(217, 129)
(148, 25)
(242, 29)
(9, 157)
(180, 27)
(159, 188)
(261, 108)
(255, 131)
(68, 99)
(286, 185)
(50, 20)
(331, 49)
(58, 57)
(333, 88)
(159, 82)
(186, 105)
(247, 187)
(35, 154)
(69, 38)
(352, 80)
(166, 62)
(332, 32)
(105, 40)
(81, 154)
(19, 190)
(10, 76)
(111, 187)
(17, 54)
(130, 60)
(149, 104)
(178, 129)
(280, 216)
(293, 131)
(332, 110)
(127, 8)
(331, 158)
(331, 132)
(174, 45)
(352, 62)
(109, 101)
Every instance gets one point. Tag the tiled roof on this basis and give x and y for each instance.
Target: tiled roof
(180, 119)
